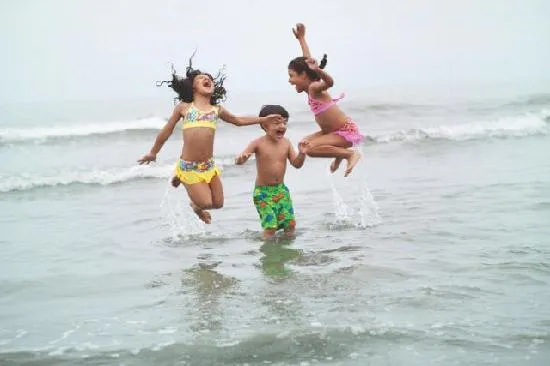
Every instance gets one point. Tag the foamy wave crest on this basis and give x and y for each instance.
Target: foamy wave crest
(27, 181)
(39, 134)
(527, 125)
(98, 177)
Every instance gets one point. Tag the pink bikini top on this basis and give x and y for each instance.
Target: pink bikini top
(318, 107)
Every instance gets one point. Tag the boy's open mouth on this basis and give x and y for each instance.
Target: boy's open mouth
(280, 133)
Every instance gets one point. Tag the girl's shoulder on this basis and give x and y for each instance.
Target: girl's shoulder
(182, 107)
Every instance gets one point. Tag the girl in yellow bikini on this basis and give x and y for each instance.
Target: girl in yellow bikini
(199, 95)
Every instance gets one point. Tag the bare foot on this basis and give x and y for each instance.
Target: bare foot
(290, 234)
(268, 234)
(176, 182)
(352, 161)
(202, 214)
(335, 164)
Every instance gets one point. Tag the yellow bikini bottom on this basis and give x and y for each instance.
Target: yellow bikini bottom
(191, 172)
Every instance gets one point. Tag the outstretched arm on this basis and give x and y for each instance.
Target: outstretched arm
(164, 134)
(296, 160)
(300, 34)
(247, 153)
(228, 117)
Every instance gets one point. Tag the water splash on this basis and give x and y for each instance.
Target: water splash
(358, 209)
(178, 215)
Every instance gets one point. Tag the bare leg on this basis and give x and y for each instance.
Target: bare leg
(352, 162)
(202, 214)
(329, 146)
(334, 146)
(290, 231)
(268, 234)
(329, 151)
(314, 136)
(216, 188)
(335, 164)
(201, 200)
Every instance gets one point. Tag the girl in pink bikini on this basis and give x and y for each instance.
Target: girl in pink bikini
(338, 131)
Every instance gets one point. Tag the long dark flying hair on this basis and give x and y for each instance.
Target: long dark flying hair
(299, 65)
(184, 86)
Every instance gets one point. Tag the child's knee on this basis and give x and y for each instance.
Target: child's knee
(204, 204)
(217, 201)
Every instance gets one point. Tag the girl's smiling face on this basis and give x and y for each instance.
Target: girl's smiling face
(300, 81)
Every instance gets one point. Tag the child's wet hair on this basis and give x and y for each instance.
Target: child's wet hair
(300, 65)
(268, 109)
(184, 86)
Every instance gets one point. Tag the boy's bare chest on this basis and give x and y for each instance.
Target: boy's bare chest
(273, 151)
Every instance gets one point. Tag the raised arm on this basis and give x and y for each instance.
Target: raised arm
(228, 117)
(300, 34)
(296, 160)
(164, 134)
(326, 80)
(247, 153)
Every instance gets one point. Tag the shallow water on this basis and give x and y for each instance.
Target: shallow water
(434, 251)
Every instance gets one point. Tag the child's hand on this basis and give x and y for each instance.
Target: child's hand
(242, 158)
(274, 118)
(303, 146)
(312, 63)
(299, 31)
(147, 158)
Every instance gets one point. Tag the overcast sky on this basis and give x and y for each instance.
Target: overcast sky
(73, 49)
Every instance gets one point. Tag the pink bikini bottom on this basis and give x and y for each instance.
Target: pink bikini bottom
(350, 132)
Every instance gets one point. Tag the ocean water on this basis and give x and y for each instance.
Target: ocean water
(435, 251)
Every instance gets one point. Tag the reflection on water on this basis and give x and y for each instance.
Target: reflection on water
(280, 298)
(276, 255)
(209, 287)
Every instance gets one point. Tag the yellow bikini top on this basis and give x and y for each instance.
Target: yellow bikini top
(195, 117)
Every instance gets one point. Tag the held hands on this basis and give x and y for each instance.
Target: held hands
(303, 146)
(299, 31)
(147, 158)
(242, 158)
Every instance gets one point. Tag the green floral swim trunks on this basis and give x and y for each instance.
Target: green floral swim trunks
(274, 206)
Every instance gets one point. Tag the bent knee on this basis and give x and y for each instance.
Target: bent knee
(217, 204)
(204, 204)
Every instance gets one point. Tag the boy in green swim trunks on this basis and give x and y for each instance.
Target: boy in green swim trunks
(271, 195)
